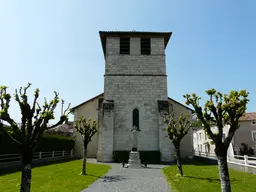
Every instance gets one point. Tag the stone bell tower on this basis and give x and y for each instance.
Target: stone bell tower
(134, 82)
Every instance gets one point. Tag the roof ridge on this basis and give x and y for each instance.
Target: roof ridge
(95, 97)
(135, 31)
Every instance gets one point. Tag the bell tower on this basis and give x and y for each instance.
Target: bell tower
(134, 81)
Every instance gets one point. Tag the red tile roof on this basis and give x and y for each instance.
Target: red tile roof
(248, 117)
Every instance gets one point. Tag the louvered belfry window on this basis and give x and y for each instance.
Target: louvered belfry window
(145, 48)
(125, 45)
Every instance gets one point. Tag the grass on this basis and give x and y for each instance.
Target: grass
(201, 177)
(64, 177)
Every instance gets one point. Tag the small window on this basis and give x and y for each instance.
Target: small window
(253, 135)
(253, 122)
(135, 118)
(145, 48)
(206, 148)
(125, 46)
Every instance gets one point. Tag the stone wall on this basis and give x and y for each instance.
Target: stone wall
(157, 46)
(165, 145)
(135, 63)
(135, 81)
(106, 132)
(128, 93)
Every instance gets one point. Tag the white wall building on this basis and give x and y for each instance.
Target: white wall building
(245, 134)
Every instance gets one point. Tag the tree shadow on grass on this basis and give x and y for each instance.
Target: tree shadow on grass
(91, 175)
(209, 179)
(19, 165)
(196, 161)
(199, 162)
(113, 178)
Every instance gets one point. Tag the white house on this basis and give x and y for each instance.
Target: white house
(245, 134)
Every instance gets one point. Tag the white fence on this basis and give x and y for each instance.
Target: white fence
(205, 155)
(15, 157)
(245, 160)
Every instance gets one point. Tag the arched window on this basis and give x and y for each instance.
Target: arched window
(135, 118)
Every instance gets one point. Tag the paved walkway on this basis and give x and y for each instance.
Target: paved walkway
(120, 179)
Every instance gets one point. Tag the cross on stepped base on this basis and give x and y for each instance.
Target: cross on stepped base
(134, 156)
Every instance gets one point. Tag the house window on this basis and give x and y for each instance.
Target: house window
(135, 118)
(145, 48)
(253, 135)
(200, 136)
(205, 135)
(200, 147)
(206, 148)
(125, 45)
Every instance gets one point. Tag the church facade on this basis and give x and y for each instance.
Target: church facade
(135, 95)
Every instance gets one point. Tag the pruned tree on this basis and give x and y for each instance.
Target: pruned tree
(220, 110)
(87, 128)
(177, 128)
(34, 121)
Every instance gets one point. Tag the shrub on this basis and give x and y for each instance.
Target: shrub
(7, 145)
(246, 150)
(120, 156)
(50, 142)
(151, 157)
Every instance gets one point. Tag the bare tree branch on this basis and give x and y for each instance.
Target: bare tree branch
(67, 108)
(63, 119)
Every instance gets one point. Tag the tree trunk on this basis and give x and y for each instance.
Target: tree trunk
(177, 150)
(26, 170)
(223, 170)
(84, 159)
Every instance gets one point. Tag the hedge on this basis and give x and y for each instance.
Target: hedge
(152, 157)
(48, 142)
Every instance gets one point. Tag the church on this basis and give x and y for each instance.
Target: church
(135, 95)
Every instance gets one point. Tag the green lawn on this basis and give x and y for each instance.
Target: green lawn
(61, 177)
(201, 177)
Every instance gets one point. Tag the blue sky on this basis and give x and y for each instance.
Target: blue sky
(55, 45)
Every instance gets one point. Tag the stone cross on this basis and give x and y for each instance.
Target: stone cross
(134, 140)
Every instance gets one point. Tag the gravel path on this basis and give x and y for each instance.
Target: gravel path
(120, 179)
